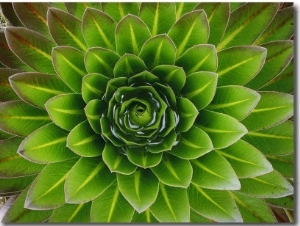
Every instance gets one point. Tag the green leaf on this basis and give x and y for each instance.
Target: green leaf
(284, 202)
(279, 139)
(279, 55)
(34, 16)
(270, 185)
(272, 109)
(47, 190)
(235, 5)
(246, 160)
(93, 111)
(140, 189)
(107, 133)
(8, 11)
(191, 29)
(119, 10)
(284, 82)
(281, 27)
(222, 129)
(31, 47)
(4, 135)
(113, 85)
(131, 33)
(187, 113)
(9, 158)
(72, 213)
(143, 217)
(184, 7)
(142, 158)
(36, 88)
(174, 171)
(129, 65)
(46, 145)
(216, 205)
(111, 206)
(164, 144)
(158, 50)
(100, 60)
(116, 160)
(6, 91)
(212, 171)
(199, 58)
(247, 23)
(142, 78)
(87, 179)
(167, 94)
(66, 110)
(98, 29)
(238, 65)
(69, 65)
(83, 141)
(93, 86)
(78, 8)
(253, 209)
(65, 29)
(284, 164)
(196, 218)
(13, 186)
(235, 101)
(20, 118)
(171, 205)
(18, 214)
(218, 14)
(59, 5)
(159, 17)
(172, 75)
(200, 88)
(189, 147)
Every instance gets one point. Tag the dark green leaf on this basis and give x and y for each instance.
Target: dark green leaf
(116, 160)
(200, 88)
(143, 78)
(199, 58)
(31, 47)
(272, 109)
(279, 139)
(93, 111)
(59, 5)
(83, 141)
(270, 185)
(131, 33)
(69, 65)
(13, 186)
(46, 145)
(253, 209)
(87, 179)
(197, 218)
(47, 190)
(164, 144)
(9, 13)
(113, 85)
(238, 65)
(184, 7)
(246, 160)
(171, 205)
(36, 88)
(34, 16)
(20, 118)
(284, 164)
(98, 29)
(212, 171)
(235, 5)
(284, 202)
(107, 133)
(158, 50)
(218, 14)
(129, 65)
(222, 129)
(100, 60)
(72, 213)
(213, 204)
(247, 23)
(140, 189)
(159, 17)
(143, 217)
(65, 29)
(78, 8)
(66, 110)
(191, 29)
(111, 206)
(187, 113)
(119, 10)
(143, 158)
(188, 145)
(6, 91)
(9, 159)
(4, 135)
(235, 101)
(279, 55)
(174, 171)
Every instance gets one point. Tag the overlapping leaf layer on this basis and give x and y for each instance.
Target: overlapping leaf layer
(146, 112)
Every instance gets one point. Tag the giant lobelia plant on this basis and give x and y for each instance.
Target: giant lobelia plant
(147, 112)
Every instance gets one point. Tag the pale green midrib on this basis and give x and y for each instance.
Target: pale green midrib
(237, 159)
(93, 117)
(165, 195)
(171, 74)
(197, 66)
(257, 134)
(270, 109)
(135, 47)
(211, 130)
(10, 158)
(79, 207)
(184, 41)
(157, 54)
(179, 10)
(196, 92)
(94, 90)
(155, 22)
(76, 69)
(35, 118)
(113, 204)
(53, 91)
(188, 114)
(218, 106)
(186, 142)
(279, 159)
(117, 162)
(171, 170)
(197, 163)
(70, 112)
(121, 11)
(57, 141)
(137, 177)
(85, 141)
